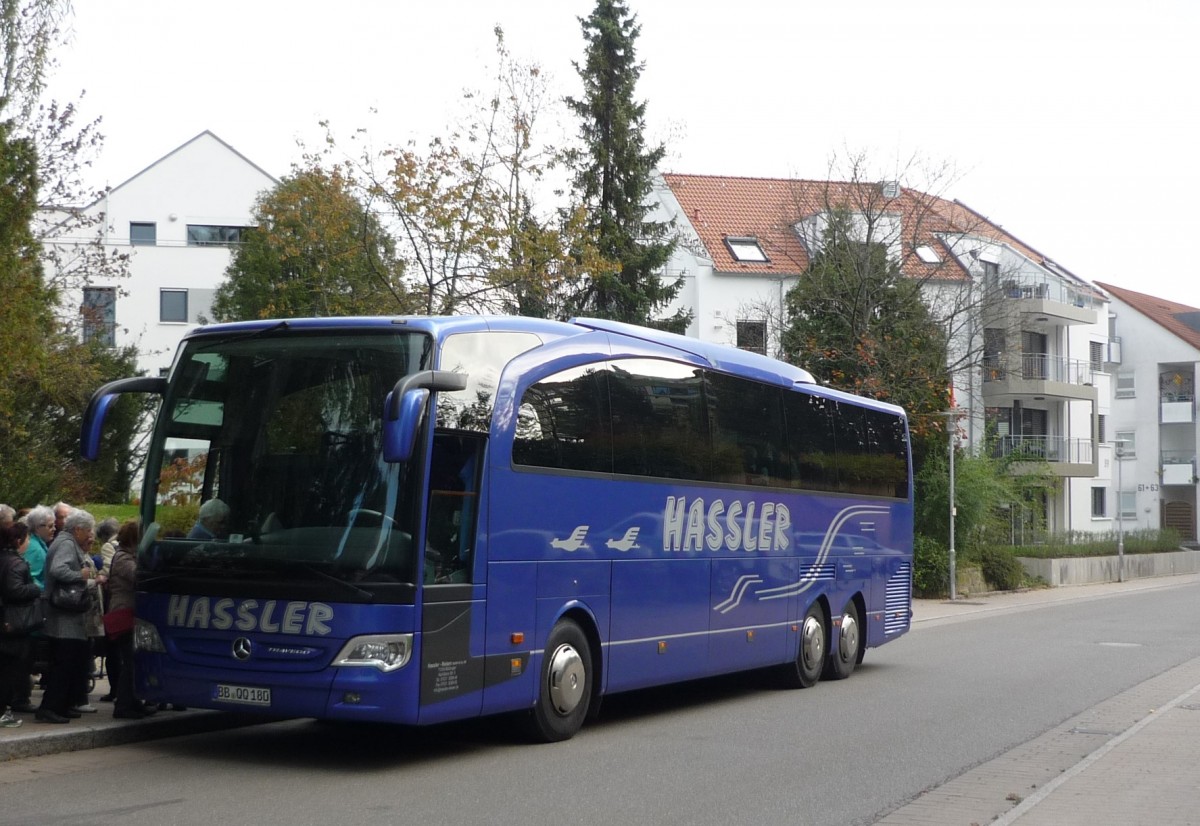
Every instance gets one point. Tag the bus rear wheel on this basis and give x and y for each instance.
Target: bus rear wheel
(564, 685)
(810, 661)
(848, 651)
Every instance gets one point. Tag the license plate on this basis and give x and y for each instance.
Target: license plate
(243, 694)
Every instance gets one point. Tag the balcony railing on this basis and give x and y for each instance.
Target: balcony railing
(1178, 467)
(1175, 408)
(1038, 367)
(1047, 289)
(1050, 448)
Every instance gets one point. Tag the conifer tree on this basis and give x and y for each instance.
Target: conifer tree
(613, 178)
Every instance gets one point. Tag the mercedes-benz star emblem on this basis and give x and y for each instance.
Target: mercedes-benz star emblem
(241, 648)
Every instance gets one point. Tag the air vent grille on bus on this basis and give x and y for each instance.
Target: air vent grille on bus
(898, 600)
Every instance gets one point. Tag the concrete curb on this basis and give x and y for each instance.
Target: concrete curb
(35, 739)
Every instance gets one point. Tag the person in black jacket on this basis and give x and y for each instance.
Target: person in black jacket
(18, 592)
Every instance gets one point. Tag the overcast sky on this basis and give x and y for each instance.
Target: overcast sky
(1074, 125)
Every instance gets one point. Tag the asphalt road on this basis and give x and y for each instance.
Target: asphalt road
(945, 698)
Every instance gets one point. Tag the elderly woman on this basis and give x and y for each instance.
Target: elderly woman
(19, 593)
(41, 530)
(70, 563)
(122, 584)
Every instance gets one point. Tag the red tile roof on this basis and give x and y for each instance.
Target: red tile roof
(1177, 318)
(768, 209)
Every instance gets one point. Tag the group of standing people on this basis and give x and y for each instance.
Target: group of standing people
(52, 588)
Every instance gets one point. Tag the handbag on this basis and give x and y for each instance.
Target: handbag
(71, 598)
(22, 620)
(117, 622)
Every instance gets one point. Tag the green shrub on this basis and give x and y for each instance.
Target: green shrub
(931, 567)
(1001, 569)
(1077, 544)
(176, 520)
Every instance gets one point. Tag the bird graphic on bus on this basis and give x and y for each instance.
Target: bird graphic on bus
(625, 543)
(572, 543)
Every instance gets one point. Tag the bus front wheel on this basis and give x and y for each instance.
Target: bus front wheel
(564, 686)
(810, 661)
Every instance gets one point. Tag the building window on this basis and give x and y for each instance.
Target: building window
(1127, 443)
(928, 254)
(1128, 505)
(746, 249)
(143, 234)
(99, 313)
(1097, 355)
(173, 305)
(1125, 386)
(1100, 427)
(752, 336)
(1099, 499)
(207, 235)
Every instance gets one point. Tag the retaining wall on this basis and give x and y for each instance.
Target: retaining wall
(1089, 569)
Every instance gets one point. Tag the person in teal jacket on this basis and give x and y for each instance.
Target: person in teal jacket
(41, 529)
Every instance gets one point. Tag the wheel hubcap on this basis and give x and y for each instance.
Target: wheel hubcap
(812, 643)
(848, 644)
(566, 679)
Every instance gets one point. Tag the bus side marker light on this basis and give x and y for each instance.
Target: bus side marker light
(662, 646)
(351, 698)
(515, 666)
(517, 637)
(749, 636)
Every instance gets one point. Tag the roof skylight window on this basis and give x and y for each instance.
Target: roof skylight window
(928, 254)
(746, 249)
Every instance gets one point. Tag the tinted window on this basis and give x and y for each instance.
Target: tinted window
(659, 421)
(811, 441)
(563, 422)
(749, 447)
(872, 452)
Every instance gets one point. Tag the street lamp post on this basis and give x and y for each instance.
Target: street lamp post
(1120, 514)
(953, 515)
(952, 417)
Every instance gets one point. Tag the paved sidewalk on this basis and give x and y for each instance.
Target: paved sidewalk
(1132, 759)
(91, 731)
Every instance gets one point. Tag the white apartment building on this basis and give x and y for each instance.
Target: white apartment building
(1154, 423)
(1033, 337)
(178, 218)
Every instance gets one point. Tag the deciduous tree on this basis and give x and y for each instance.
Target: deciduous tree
(315, 251)
(857, 323)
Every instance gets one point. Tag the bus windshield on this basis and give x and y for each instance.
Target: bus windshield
(277, 439)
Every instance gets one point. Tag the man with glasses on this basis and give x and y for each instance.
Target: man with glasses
(61, 511)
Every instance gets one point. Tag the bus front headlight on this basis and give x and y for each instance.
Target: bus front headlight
(146, 638)
(387, 652)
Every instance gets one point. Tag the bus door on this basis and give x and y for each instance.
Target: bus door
(452, 617)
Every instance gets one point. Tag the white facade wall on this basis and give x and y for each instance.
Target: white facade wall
(1147, 349)
(204, 182)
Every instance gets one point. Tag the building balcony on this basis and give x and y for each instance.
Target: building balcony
(1176, 408)
(1066, 456)
(1178, 467)
(1019, 376)
(1048, 297)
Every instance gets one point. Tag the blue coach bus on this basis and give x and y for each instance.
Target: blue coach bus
(415, 520)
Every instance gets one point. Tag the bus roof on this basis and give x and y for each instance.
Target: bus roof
(719, 356)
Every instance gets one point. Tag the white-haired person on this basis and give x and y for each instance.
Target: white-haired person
(212, 521)
(70, 564)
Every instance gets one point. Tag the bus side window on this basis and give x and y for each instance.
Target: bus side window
(453, 506)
